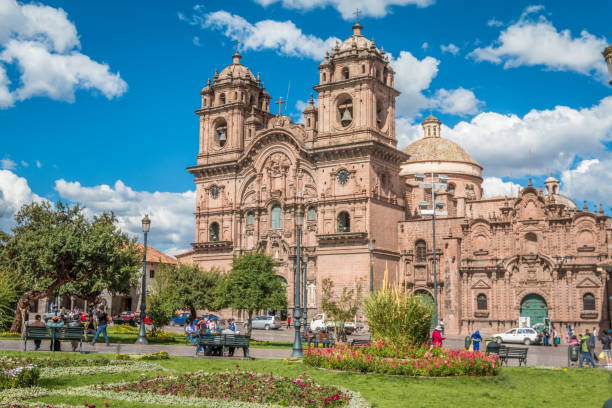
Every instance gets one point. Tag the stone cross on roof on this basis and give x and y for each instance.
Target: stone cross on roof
(280, 105)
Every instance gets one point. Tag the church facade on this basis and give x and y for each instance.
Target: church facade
(500, 258)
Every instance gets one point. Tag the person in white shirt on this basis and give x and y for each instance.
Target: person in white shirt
(192, 332)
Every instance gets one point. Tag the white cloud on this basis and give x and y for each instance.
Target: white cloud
(282, 36)
(412, 77)
(44, 45)
(458, 101)
(14, 192)
(534, 42)
(407, 132)
(494, 186)
(494, 23)
(556, 137)
(452, 48)
(590, 180)
(38, 164)
(8, 164)
(172, 221)
(425, 46)
(374, 8)
(196, 41)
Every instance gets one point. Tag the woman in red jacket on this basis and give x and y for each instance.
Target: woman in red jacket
(436, 337)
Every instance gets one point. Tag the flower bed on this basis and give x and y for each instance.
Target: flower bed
(239, 386)
(18, 377)
(9, 362)
(160, 355)
(422, 361)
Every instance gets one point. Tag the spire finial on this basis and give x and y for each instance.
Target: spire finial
(357, 13)
(311, 101)
(357, 27)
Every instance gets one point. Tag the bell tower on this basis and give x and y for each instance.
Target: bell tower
(231, 104)
(356, 98)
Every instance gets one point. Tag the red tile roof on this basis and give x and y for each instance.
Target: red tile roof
(155, 256)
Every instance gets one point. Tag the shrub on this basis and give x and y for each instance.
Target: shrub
(8, 301)
(396, 316)
(19, 377)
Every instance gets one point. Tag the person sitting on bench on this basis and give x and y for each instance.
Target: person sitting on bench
(55, 323)
(37, 323)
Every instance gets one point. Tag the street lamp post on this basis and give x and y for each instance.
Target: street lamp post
(297, 341)
(442, 185)
(142, 333)
(305, 308)
(371, 243)
(607, 53)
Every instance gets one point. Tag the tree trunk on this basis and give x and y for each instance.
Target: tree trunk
(18, 321)
(193, 313)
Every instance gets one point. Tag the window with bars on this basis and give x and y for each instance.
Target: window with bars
(421, 251)
(588, 301)
(481, 301)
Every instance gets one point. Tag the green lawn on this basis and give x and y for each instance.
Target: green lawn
(515, 387)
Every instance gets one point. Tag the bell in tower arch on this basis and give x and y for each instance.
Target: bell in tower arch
(347, 118)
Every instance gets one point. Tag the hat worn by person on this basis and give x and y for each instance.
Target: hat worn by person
(438, 328)
(55, 318)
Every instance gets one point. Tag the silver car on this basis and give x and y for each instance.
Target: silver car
(264, 322)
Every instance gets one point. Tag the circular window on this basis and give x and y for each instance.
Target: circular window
(345, 110)
(343, 176)
(214, 192)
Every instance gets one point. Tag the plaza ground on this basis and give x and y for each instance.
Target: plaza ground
(514, 387)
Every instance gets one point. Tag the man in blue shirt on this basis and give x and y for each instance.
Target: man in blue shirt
(476, 339)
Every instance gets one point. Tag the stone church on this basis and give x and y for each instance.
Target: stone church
(535, 255)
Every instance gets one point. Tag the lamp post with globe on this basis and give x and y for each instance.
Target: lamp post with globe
(142, 333)
(297, 341)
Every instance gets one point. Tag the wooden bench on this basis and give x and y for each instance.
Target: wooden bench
(54, 334)
(517, 353)
(360, 343)
(224, 341)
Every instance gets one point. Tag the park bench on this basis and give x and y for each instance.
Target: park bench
(53, 334)
(224, 341)
(517, 353)
(360, 343)
(316, 341)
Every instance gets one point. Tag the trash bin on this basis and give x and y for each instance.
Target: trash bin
(493, 347)
(468, 341)
(573, 352)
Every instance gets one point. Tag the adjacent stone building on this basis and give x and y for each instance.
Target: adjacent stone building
(536, 254)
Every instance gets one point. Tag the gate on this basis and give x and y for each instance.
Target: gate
(534, 306)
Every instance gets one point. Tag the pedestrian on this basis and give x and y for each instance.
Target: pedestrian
(476, 339)
(191, 329)
(436, 337)
(546, 336)
(606, 340)
(555, 337)
(55, 323)
(595, 333)
(37, 323)
(441, 324)
(591, 343)
(288, 322)
(102, 323)
(585, 352)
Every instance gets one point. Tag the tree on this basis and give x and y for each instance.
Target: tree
(55, 246)
(252, 285)
(340, 309)
(160, 302)
(191, 287)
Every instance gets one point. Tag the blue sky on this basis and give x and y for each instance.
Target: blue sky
(97, 99)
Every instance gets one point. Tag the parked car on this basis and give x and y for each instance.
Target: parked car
(125, 318)
(320, 321)
(525, 336)
(180, 319)
(147, 320)
(208, 316)
(264, 322)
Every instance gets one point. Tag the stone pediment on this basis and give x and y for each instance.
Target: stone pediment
(587, 283)
(481, 285)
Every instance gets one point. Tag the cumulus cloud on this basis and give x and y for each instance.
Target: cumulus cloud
(536, 42)
(196, 41)
(494, 23)
(425, 46)
(458, 101)
(495, 186)
(451, 48)
(45, 48)
(412, 77)
(556, 137)
(373, 8)
(283, 36)
(172, 221)
(14, 192)
(590, 180)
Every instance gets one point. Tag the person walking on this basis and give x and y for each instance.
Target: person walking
(102, 323)
(555, 337)
(584, 349)
(192, 330)
(476, 339)
(592, 342)
(606, 340)
(37, 323)
(288, 322)
(436, 337)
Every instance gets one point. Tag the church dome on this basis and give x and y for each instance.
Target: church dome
(357, 41)
(438, 149)
(236, 70)
(566, 201)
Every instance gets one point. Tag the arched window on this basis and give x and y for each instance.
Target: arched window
(363, 69)
(251, 100)
(222, 99)
(277, 217)
(308, 122)
(250, 218)
(311, 213)
(221, 132)
(235, 96)
(324, 77)
(588, 301)
(345, 73)
(531, 243)
(481, 302)
(345, 110)
(344, 222)
(214, 232)
(205, 101)
(451, 188)
(420, 251)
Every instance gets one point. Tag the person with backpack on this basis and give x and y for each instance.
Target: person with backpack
(584, 349)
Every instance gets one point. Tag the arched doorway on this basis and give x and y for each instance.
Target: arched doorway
(427, 297)
(534, 306)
